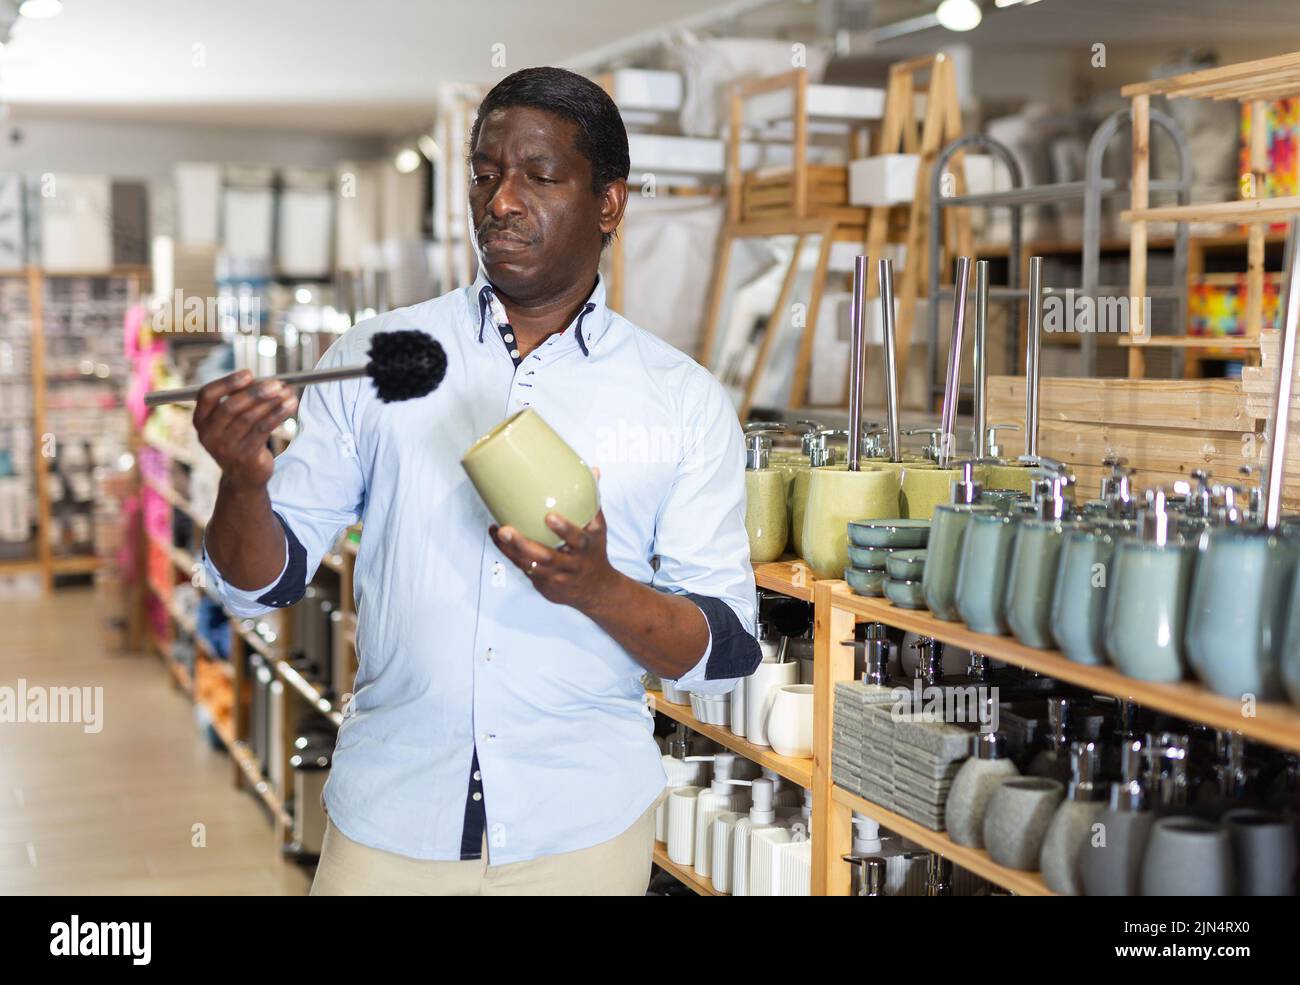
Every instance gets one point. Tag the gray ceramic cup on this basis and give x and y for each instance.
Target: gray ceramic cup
(1070, 830)
(982, 573)
(1264, 848)
(1187, 856)
(1018, 816)
(1237, 611)
(1031, 581)
(1079, 604)
(947, 534)
(1112, 864)
(1147, 609)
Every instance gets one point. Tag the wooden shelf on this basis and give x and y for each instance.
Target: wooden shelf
(1273, 723)
(75, 564)
(795, 770)
(973, 859)
(248, 765)
(21, 565)
(789, 577)
(1225, 343)
(1244, 210)
(681, 873)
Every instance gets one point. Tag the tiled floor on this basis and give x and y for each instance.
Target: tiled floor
(118, 812)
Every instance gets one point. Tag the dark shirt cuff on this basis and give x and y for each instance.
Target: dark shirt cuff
(292, 585)
(735, 652)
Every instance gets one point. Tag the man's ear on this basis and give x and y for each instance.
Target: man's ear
(613, 202)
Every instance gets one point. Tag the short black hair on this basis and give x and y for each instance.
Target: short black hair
(602, 138)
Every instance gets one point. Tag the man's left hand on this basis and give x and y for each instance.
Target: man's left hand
(577, 573)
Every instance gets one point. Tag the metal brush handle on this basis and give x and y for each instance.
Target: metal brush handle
(981, 357)
(950, 393)
(886, 277)
(180, 395)
(1277, 446)
(1033, 348)
(857, 332)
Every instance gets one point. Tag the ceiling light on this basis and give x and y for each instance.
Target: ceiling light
(959, 15)
(428, 147)
(40, 9)
(407, 160)
(302, 295)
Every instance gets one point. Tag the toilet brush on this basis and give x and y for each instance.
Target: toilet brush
(403, 364)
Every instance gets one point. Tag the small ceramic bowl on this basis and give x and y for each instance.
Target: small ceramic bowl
(906, 565)
(865, 582)
(869, 558)
(905, 594)
(889, 533)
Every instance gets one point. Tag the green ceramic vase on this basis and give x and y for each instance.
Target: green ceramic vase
(981, 594)
(524, 470)
(1146, 611)
(1079, 603)
(835, 497)
(1031, 581)
(947, 537)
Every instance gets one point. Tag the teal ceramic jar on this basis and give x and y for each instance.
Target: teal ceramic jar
(1079, 603)
(982, 573)
(947, 535)
(1237, 611)
(1031, 579)
(1147, 608)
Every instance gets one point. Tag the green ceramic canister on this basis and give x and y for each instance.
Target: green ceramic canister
(1237, 610)
(981, 593)
(1031, 579)
(1146, 612)
(1079, 603)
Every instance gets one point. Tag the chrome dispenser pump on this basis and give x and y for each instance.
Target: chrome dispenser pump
(757, 449)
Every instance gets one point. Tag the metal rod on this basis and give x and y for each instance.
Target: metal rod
(857, 317)
(886, 277)
(981, 356)
(948, 423)
(1033, 347)
(1277, 446)
(182, 394)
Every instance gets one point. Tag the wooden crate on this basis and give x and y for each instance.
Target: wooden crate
(770, 194)
(1164, 428)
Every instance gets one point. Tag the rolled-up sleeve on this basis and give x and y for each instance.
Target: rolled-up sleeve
(317, 489)
(701, 546)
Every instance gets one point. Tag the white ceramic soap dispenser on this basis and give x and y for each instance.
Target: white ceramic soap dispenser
(681, 771)
(724, 794)
(761, 815)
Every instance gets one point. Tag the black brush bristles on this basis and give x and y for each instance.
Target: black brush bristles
(405, 364)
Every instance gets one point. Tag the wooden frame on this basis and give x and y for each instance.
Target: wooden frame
(1254, 83)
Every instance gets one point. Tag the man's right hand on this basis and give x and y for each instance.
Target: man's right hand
(234, 416)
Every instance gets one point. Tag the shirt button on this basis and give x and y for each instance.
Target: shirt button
(478, 775)
(509, 337)
(483, 737)
(488, 655)
(478, 796)
(514, 353)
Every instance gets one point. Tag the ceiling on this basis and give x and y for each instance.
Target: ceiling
(362, 66)
(374, 66)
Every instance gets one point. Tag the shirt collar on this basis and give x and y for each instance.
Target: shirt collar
(592, 320)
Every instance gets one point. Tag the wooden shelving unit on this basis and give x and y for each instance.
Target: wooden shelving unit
(1253, 84)
(46, 561)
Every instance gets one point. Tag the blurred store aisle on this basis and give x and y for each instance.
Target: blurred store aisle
(115, 811)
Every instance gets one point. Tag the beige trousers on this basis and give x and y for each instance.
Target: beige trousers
(618, 867)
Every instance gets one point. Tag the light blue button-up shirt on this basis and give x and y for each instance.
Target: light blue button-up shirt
(457, 649)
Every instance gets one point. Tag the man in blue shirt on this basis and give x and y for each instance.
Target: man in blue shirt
(499, 739)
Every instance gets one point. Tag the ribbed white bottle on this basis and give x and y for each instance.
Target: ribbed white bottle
(761, 815)
(795, 869)
(724, 826)
(681, 824)
(724, 795)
